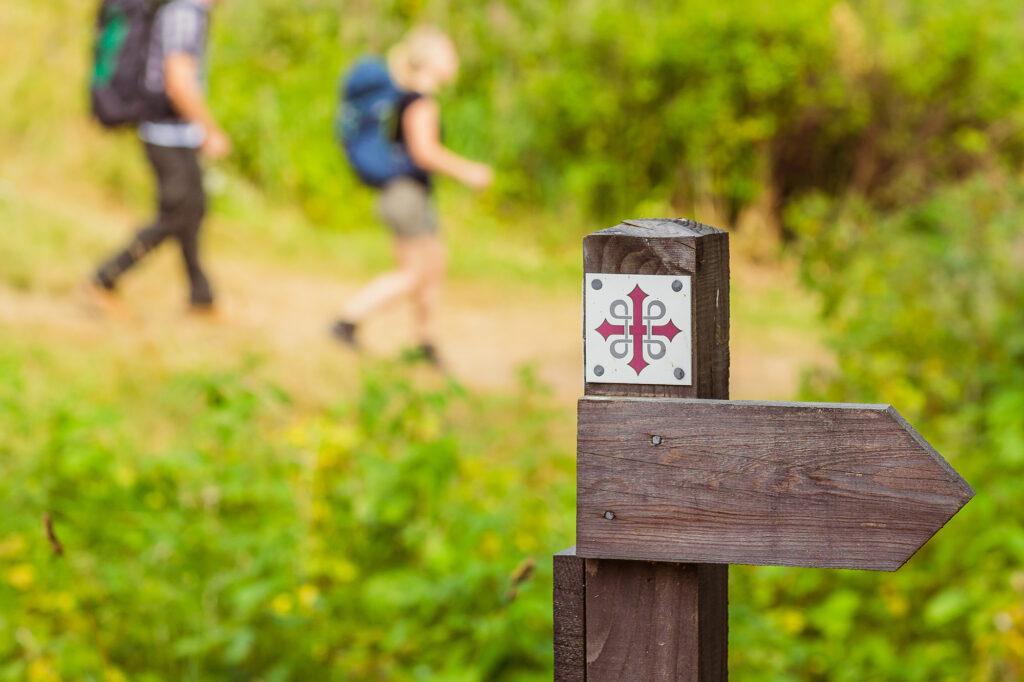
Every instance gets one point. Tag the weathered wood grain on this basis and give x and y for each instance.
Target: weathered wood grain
(673, 247)
(655, 622)
(570, 617)
(795, 484)
(660, 621)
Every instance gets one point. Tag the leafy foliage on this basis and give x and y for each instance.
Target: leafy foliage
(387, 539)
(617, 107)
(212, 530)
(924, 307)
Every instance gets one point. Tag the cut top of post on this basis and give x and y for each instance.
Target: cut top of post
(661, 227)
(656, 310)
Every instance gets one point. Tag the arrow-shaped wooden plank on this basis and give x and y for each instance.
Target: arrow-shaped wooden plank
(791, 484)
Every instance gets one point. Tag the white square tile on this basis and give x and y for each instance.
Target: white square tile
(638, 329)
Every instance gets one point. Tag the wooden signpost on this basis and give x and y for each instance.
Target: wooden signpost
(675, 482)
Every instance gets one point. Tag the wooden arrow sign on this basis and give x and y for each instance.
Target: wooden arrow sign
(790, 484)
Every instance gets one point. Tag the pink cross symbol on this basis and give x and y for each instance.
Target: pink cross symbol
(638, 330)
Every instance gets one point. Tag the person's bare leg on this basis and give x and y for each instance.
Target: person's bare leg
(427, 296)
(389, 286)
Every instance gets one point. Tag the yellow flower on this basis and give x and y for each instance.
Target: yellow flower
(791, 621)
(471, 467)
(114, 675)
(40, 670)
(12, 546)
(896, 603)
(297, 435)
(319, 511)
(64, 602)
(342, 437)
(344, 571)
(21, 576)
(490, 545)
(308, 594)
(428, 427)
(124, 474)
(526, 542)
(282, 604)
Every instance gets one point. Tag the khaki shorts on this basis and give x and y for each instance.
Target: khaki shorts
(405, 206)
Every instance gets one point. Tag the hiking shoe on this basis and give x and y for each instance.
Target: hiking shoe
(101, 299)
(427, 352)
(206, 312)
(345, 332)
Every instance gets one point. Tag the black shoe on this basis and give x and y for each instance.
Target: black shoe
(427, 352)
(345, 332)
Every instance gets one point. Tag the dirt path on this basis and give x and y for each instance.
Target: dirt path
(280, 314)
(488, 334)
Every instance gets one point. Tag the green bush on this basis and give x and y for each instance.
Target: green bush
(611, 107)
(593, 109)
(924, 311)
(403, 536)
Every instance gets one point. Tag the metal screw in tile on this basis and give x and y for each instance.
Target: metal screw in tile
(679, 373)
(597, 284)
(677, 285)
(599, 370)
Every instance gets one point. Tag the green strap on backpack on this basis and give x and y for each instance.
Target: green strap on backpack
(120, 51)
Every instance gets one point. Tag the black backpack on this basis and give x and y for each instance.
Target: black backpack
(123, 30)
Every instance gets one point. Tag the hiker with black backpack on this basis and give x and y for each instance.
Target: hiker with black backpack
(390, 127)
(150, 71)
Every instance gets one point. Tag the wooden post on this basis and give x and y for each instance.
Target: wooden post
(660, 621)
(674, 482)
(672, 247)
(570, 614)
(657, 621)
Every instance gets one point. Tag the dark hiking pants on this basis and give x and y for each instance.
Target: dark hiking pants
(182, 205)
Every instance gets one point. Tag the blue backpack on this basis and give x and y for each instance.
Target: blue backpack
(367, 123)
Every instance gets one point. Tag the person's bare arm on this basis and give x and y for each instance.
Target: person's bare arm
(181, 76)
(421, 124)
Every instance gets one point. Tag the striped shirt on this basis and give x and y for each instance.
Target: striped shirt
(180, 27)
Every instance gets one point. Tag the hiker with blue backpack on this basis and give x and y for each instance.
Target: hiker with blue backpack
(390, 127)
(150, 71)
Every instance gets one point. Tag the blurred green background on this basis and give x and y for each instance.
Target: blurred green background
(244, 502)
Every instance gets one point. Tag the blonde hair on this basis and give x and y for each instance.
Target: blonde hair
(418, 48)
